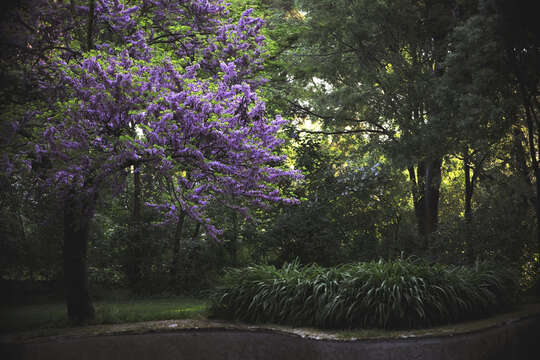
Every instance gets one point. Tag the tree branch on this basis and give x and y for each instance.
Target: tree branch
(343, 132)
(381, 130)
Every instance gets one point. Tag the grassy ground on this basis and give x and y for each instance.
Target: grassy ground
(51, 318)
(197, 324)
(47, 316)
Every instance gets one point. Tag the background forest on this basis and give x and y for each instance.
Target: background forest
(415, 125)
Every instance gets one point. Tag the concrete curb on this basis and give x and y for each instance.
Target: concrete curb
(514, 339)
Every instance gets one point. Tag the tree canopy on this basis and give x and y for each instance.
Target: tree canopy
(151, 144)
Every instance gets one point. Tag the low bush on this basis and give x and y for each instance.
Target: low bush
(390, 295)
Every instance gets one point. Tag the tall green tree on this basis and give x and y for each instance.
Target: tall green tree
(519, 34)
(491, 87)
(370, 67)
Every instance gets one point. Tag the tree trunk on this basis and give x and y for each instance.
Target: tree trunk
(537, 176)
(418, 198)
(234, 239)
(395, 242)
(530, 104)
(519, 154)
(176, 245)
(90, 27)
(135, 247)
(78, 212)
(536, 170)
(432, 188)
(195, 235)
(469, 189)
(425, 187)
(531, 120)
(28, 247)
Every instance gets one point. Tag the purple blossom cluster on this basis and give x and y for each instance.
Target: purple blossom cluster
(172, 87)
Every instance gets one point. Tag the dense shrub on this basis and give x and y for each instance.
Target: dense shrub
(398, 294)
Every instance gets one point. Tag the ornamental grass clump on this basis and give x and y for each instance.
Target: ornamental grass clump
(389, 295)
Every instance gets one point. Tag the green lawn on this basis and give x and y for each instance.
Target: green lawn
(46, 316)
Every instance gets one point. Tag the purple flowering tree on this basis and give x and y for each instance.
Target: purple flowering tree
(169, 85)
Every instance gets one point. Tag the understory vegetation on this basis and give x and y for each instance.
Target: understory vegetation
(389, 295)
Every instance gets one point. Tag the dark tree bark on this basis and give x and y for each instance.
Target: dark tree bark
(177, 240)
(27, 246)
(418, 200)
(78, 212)
(518, 28)
(234, 239)
(471, 176)
(535, 162)
(532, 122)
(196, 231)
(90, 27)
(468, 189)
(137, 197)
(426, 183)
(135, 248)
(432, 188)
(519, 154)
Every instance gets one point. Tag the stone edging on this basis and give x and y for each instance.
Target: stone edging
(515, 340)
